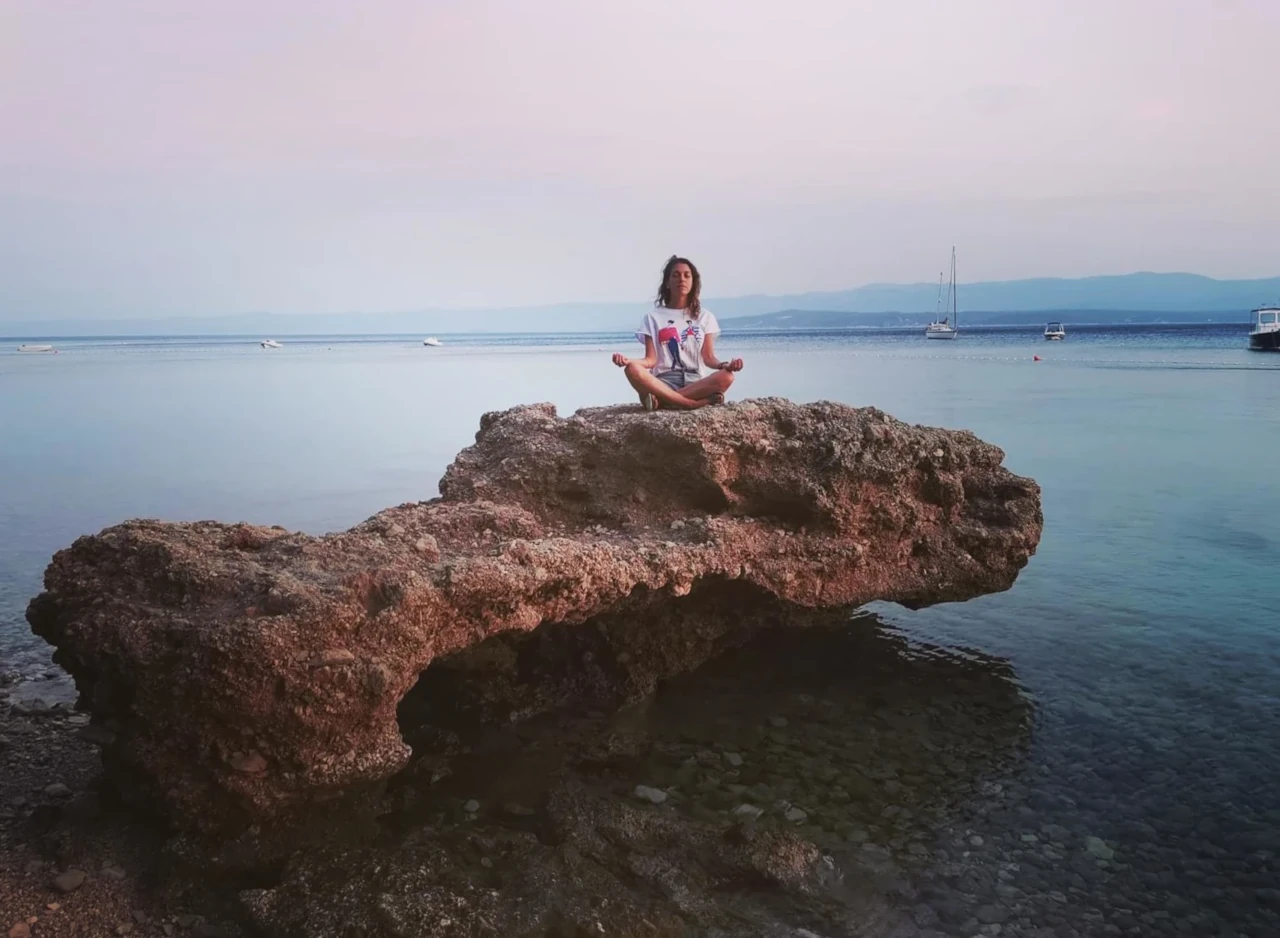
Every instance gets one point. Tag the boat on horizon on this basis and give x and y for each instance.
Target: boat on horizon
(1054, 332)
(946, 327)
(26, 348)
(432, 341)
(1265, 335)
(269, 343)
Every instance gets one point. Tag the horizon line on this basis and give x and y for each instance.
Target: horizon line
(726, 298)
(255, 337)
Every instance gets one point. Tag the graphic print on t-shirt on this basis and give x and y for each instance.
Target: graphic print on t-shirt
(669, 336)
(691, 344)
(683, 346)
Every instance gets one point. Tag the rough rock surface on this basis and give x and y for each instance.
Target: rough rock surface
(248, 672)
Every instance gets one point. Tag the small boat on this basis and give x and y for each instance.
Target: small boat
(1265, 335)
(432, 341)
(269, 343)
(36, 348)
(946, 327)
(1054, 332)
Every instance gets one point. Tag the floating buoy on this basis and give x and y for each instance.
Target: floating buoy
(1035, 358)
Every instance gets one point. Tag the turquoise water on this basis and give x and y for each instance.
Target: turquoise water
(1144, 629)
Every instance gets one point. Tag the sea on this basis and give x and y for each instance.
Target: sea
(1141, 797)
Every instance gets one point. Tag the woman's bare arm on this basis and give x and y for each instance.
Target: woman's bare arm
(709, 356)
(650, 356)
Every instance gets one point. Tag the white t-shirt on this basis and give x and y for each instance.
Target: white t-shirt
(678, 339)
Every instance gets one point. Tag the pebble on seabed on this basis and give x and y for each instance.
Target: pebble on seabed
(1098, 847)
(69, 881)
(652, 795)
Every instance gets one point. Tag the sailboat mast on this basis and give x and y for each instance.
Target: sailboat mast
(955, 301)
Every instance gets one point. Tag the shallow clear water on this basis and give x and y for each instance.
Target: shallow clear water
(1143, 630)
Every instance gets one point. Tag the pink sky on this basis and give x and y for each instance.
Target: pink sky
(161, 158)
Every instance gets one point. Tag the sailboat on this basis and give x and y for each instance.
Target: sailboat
(946, 327)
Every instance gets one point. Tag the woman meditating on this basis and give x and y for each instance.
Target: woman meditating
(679, 370)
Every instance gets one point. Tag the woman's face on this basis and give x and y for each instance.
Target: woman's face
(680, 281)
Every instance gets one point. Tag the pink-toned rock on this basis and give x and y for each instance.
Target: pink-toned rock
(251, 672)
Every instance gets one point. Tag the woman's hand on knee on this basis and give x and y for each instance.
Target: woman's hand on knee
(621, 360)
(734, 365)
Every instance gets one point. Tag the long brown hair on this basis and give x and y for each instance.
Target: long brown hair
(664, 292)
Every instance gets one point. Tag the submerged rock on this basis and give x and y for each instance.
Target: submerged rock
(608, 868)
(250, 673)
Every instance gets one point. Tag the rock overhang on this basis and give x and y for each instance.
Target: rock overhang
(250, 673)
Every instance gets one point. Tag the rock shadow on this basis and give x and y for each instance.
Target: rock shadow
(786, 783)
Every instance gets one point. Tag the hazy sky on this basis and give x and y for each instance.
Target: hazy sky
(175, 158)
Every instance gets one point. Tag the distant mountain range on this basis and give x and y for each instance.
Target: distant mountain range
(1138, 293)
(1138, 297)
(830, 319)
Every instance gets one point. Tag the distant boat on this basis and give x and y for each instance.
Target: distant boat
(432, 341)
(1054, 332)
(36, 348)
(946, 327)
(1265, 336)
(269, 343)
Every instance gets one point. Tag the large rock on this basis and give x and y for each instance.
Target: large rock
(250, 673)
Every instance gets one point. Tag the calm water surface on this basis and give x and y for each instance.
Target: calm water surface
(1145, 631)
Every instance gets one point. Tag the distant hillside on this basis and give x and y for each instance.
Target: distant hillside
(1089, 299)
(1135, 293)
(833, 319)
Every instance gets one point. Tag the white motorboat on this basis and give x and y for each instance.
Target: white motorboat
(948, 326)
(269, 343)
(36, 348)
(1265, 335)
(1054, 332)
(432, 341)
